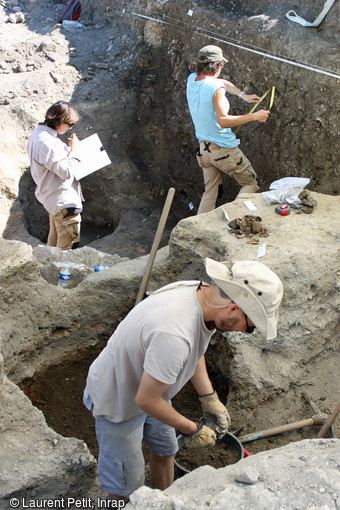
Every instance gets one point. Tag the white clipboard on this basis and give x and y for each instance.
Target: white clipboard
(93, 156)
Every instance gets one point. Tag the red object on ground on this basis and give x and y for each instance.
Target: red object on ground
(246, 453)
(282, 209)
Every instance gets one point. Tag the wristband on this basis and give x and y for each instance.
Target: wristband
(207, 395)
(199, 427)
(241, 93)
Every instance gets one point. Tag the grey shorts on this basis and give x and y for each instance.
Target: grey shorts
(121, 462)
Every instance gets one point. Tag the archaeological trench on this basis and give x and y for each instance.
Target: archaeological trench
(126, 75)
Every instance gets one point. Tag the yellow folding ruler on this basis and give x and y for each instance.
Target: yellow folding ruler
(272, 89)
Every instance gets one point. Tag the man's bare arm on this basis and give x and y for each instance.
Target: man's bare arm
(200, 380)
(232, 89)
(228, 121)
(149, 399)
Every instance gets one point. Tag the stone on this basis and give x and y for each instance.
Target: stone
(247, 475)
(246, 225)
(57, 78)
(47, 47)
(209, 488)
(307, 201)
(148, 497)
(20, 68)
(17, 17)
(26, 455)
(101, 65)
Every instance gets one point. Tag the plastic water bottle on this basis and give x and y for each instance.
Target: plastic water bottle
(100, 268)
(64, 277)
(72, 26)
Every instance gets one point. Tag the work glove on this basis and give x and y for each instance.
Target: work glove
(204, 436)
(216, 413)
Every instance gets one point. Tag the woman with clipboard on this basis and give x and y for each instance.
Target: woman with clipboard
(53, 166)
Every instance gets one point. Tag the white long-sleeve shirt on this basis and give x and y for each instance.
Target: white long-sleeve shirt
(52, 167)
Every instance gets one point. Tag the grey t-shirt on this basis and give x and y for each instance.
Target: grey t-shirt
(165, 335)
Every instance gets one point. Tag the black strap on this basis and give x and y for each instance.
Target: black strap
(223, 157)
(72, 211)
(207, 146)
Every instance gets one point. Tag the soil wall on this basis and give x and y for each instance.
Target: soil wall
(126, 75)
(300, 137)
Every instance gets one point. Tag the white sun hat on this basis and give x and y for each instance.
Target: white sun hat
(255, 288)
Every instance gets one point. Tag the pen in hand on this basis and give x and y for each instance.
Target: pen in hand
(74, 142)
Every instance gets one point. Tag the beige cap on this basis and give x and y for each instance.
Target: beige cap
(210, 53)
(255, 288)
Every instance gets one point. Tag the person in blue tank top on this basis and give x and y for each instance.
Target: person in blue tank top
(218, 152)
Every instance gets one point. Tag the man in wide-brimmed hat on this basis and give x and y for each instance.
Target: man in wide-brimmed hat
(218, 152)
(153, 353)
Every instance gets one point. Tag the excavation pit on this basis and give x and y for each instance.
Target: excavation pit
(226, 451)
(57, 391)
(98, 221)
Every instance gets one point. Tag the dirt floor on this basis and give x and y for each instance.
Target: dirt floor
(57, 392)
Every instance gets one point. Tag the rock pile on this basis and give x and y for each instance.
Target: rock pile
(307, 201)
(247, 226)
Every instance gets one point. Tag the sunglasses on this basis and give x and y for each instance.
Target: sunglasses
(249, 329)
(70, 124)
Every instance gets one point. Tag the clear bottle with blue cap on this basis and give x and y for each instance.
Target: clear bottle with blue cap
(64, 277)
(100, 268)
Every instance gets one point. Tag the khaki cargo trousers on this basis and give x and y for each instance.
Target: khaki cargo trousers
(64, 230)
(216, 161)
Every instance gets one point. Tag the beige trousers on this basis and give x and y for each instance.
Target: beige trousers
(217, 162)
(64, 232)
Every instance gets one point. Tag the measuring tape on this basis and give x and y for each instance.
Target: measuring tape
(283, 210)
(272, 95)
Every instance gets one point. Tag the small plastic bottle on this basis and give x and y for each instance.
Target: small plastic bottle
(64, 277)
(100, 268)
(72, 26)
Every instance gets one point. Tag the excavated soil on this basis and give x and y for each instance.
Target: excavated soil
(57, 392)
(219, 455)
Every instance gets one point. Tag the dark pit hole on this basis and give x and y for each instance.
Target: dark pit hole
(99, 217)
(57, 391)
(222, 454)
